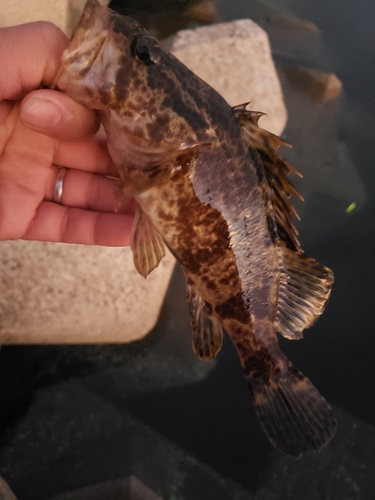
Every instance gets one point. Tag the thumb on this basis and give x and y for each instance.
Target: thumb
(56, 115)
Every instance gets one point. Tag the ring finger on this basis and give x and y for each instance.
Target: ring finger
(87, 191)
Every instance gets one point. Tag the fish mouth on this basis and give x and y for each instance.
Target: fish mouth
(94, 43)
(86, 45)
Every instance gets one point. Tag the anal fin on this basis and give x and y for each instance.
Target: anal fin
(295, 417)
(206, 329)
(146, 243)
(305, 286)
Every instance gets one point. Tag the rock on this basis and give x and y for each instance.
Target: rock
(344, 469)
(235, 59)
(290, 37)
(330, 182)
(64, 13)
(319, 85)
(163, 18)
(74, 435)
(88, 437)
(5, 491)
(293, 38)
(128, 488)
(58, 293)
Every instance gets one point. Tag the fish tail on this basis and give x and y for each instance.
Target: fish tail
(295, 417)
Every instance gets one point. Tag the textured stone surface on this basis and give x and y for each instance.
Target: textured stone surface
(128, 488)
(88, 436)
(235, 59)
(320, 86)
(58, 293)
(291, 38)
(5, 491)
(64, 13)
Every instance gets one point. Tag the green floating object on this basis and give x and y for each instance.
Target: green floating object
(351, 207)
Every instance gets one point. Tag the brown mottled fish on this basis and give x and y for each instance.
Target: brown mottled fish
(211, 187)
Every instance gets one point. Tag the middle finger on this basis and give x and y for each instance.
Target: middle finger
(90, 155)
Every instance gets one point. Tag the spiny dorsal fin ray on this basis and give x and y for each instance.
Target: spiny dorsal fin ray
(206, 329)
(304, 288)
(276, 170)
(305, 285)
(146, 243)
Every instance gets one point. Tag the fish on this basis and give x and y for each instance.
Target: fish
(211, 187)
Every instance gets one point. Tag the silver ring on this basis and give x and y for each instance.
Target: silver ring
(59, 184)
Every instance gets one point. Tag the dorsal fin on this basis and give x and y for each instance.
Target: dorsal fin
(276, 171)
(305, 285)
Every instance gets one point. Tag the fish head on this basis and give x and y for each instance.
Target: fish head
(140, 90)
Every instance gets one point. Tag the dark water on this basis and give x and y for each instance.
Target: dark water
(213, 420)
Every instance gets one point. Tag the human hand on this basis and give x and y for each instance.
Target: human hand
(41, 129)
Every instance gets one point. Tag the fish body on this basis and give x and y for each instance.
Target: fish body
(211, 187)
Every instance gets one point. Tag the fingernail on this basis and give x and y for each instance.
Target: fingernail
(40, 113)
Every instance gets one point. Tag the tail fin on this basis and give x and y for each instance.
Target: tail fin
(295, 417)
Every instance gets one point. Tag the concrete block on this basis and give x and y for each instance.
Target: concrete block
(319, 85)
(64, 13)
(127, 488)
(235, 59)
(57, 293)
(290, 37)
(293, 38)
(5, 491)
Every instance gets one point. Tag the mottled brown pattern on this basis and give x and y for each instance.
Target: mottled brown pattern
(190, 161)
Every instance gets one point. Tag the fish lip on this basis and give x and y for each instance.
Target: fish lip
(86, 44)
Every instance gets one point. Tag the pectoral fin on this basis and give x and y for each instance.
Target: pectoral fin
(305, 286)
(147, 244)
(207, 330)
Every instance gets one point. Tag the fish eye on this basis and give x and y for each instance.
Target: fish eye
(146, 50)
(142, 52)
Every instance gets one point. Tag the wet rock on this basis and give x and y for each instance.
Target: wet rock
(319, 85)
(344, 469)
(128, 488)
(291, 38)
(5, 491)
(235, 59)
(90, 438)
(330, 182)
(163, 18)
(86, 436)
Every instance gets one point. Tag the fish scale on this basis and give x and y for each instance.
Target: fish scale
(212, 188)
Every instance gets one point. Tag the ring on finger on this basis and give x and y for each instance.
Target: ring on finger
(59, 184)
